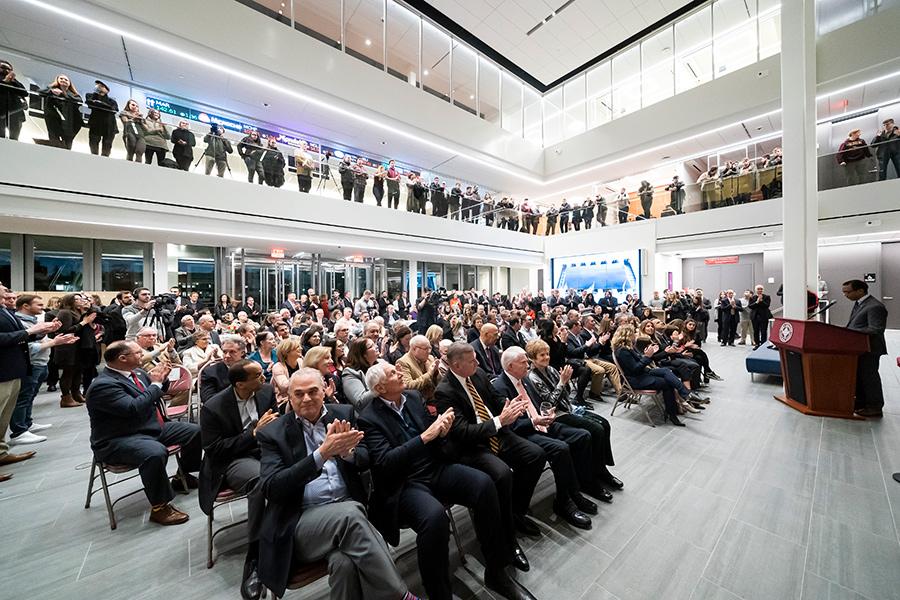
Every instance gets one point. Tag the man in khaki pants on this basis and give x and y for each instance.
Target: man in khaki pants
(584, 344)
(745, 330)
(14, 366)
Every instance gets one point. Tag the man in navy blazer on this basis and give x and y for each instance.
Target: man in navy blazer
(568, 448)
(868, 316)
(129, 427)
(310, 472)
(229, 424)
(486, 350)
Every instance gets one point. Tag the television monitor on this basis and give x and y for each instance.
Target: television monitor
(616, 271)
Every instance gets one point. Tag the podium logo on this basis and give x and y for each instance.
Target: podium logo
(785, 332)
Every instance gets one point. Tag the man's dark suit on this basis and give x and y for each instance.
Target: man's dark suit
(184, 338)
(14, 357)
(870, 316)
(511, 338)
(213, 380)
(231, 453)
(125, 430)
(488, 358)
(115, 328)
(568, 448)
(285, 469)
(470, 442)
(413, 482)
(759, 317)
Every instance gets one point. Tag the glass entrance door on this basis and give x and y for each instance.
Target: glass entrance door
(270, 281)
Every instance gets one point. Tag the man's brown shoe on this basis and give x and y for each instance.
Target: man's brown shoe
(168, 515)
(8, 459)
(77, 397)
(5, 477)
(68, 402)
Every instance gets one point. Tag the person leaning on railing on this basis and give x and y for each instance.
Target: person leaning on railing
(854, 156)
(273, 164)
(102, 126)
(62, 113)
(156, 136)
(887, 148)
(13, 102)
(132, 119)
(183, 142)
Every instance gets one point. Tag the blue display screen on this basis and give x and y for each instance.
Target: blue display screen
(616, 271)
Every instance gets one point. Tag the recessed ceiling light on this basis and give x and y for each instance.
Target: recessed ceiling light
(425, 72)
(471, 96)
(368, 42)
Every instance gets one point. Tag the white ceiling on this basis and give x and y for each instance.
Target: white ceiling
(584, 30)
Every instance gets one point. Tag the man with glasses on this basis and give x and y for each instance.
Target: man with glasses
(129, 427)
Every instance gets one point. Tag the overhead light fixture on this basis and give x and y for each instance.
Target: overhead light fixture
(368, 42)
(425, 72)
(471, 96)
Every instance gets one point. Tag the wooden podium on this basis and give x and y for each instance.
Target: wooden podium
(818, 364)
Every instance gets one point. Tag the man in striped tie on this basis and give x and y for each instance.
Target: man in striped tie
(483, 439)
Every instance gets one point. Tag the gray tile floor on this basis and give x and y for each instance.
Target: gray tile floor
(750, 501)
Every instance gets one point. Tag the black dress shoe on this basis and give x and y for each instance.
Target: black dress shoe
(585, 505)
(526, 526)
(250, 586)
(519, 560)
(192, 483)
(570, 513)
(674, 420)
(599, 492)
(502, 584)
(612, 481)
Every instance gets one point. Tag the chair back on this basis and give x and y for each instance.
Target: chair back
(182, 384)
(625, 383)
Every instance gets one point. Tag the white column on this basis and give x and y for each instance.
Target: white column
(412, 284)
(533, 283)
(495, 282)
(800, 194)
(160, 267)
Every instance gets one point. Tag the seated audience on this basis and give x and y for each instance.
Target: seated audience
(290, 359)
(419, 369)
(265, 353)
(214, 377)
(200, 354)
(361, 355)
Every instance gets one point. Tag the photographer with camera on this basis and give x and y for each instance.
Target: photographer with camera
(147, 311)
(217, 150)
(426, 310)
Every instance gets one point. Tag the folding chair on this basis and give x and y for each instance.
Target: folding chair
(99, 469)
(225, 496)
(184, 383)
(632, 397)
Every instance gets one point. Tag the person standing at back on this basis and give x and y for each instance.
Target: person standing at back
(868, 316)
(102, 122)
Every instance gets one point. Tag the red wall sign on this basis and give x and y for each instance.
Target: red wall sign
(277, 253)
(722, 260)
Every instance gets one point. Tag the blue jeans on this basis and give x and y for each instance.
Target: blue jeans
(21, 417)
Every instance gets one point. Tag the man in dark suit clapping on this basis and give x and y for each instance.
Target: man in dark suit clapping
(486, 350)
(214, 377)
(129, 427)
(759, 315)
(868, 316)
(229, 423)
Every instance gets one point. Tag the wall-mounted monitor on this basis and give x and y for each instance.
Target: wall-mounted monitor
(616, 271)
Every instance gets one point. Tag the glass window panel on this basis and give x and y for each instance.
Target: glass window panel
(488, 91)
(452, 274)
(626, 82)
(735, 41)
(435, 61)
(58, 264)
(121, 265)
(394, 277)
(402, 43)
(512, 105)
(320, 19)
(364, 30)
(532, 112)
(196, 272)
(553, 117)
(5, 258)
(484, 279)
(433, 277)
(573, 95)
(657, 67)
(693, 50)
(599, 95)
(469, 277)
(464, 77)
(769, 28)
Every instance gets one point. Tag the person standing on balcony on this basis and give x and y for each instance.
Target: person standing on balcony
(854, 156)
(303, 162)
(622, 205)
(102, 122)
(217, 150)
(587, 212)
(156, 136)
(393, 185)
(564, 210)
(378, 184)
(183, 142)
(273, 164)
(887, 148)
(13, 102)
(646, 194)
(360, 176)
(250, 150)
(602, 209)
(676, 195)
(457, 202)
(552, 217)
(346, 171)
(61, 112)
(576, 216)
(132, 118)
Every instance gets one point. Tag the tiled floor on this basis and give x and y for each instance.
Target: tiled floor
(750, 501)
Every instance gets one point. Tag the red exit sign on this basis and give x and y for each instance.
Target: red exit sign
(722, 260)
(277, 253)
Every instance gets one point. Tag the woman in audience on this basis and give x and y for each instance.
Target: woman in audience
(456, 331)
(474, 332)
(854, 156)
(132, 119)
(556, 387)
(435, 334)
(289, 354)
(400, 346)
(687, 338)
(312, 337)
(62, 113)
(155, 135)
(636, 368)
(320, 358)
(668, 357)
(265, 353)
(361, 355)
(300, 324)
(556, 339)
(223, 307)
(200, 354)
(76, 320)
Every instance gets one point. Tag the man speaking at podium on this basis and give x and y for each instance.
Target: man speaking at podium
(867, 316)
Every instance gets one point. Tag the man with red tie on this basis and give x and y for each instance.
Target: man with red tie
(129, 427)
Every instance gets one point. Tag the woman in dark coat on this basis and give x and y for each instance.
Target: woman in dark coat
(646, 194)
(273, 164)
(76, 318)
(61, 112)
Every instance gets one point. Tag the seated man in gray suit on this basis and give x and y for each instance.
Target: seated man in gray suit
(868, 316)
(310, 464)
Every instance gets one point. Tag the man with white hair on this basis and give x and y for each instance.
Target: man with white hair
(207, 323)
(214, 377)
(419, 369)
(310, 468)
(184, 335)
(414, 480)
(342, 331)
(568, 448)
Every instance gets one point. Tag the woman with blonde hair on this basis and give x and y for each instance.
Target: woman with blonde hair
(435, 334)
(319, 358)
(62, 113)
(289, 354)
(132, 134)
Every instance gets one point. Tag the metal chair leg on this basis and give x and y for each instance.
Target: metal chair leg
(455, 533)
(209, 538)
(109, 505)
(90, 492)
(180, 474)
